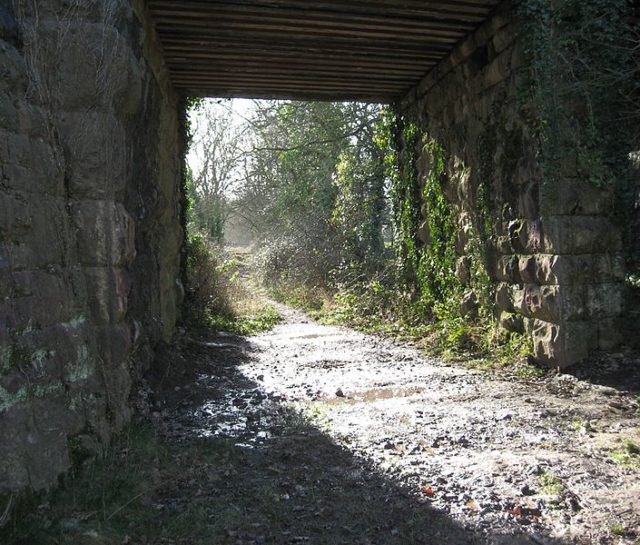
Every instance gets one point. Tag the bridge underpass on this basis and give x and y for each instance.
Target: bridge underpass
(461, 70)
(91, 146)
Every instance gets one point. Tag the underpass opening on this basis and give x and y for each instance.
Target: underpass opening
(516, 117)
(481, 131)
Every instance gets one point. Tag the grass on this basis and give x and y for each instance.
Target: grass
(618, 529)
(550, 484)
(102, 497)
(263, 318)
(628, 456)
(134, 494)
(218, 296)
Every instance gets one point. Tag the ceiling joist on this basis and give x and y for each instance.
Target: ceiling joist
(326, 49)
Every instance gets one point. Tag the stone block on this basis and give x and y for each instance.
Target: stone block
(543, 302)
(579, 269)
(528, 201)
(580, 235)
(96, 151)
(463, 269)
(92, 68)
(64, 352)
(503, 245)
(48, 303)
(106, 233)
(29, 164)
(15, 217)
(42, 239)
(610, 333)
(525, 236)
(507, 269)
(9, 29)
(561, 345)
(469, 306)
(504, 37)
(498, 70)
(13, 70)
(504, 296)
(8, 113)
(528, 268)
(604, 300)
(115, 344)
(575, 197)
(512, 322)
(34, 447)
(108, 291)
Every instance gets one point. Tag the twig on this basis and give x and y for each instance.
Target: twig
(123, 506)
(5, 515)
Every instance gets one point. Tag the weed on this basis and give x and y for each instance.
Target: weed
(550, 484)
(577, 424)
(628, 456)
(617, 528)
(217, 296)
(262, 319)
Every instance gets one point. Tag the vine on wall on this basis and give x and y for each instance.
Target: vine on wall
(426, 263)
(579, 97)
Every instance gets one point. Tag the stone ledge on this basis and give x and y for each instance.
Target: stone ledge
(551, 269)
(555, 303)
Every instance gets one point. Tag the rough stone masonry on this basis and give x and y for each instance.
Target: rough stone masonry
(90, 233)
(554, 254)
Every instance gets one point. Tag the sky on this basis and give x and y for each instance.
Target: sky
(240, 108)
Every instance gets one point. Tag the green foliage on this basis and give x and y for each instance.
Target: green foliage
(216, 297)
(628, 456)
(437, 282)
(427, 268)
(399, 138)
(311, 299)
(359, 207)
(315, 194)
(264, 319)
(617, 528)
(415, 293)
(206, 292)
(582, 77)
(551, 484)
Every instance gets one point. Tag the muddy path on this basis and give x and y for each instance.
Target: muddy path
(326, 435)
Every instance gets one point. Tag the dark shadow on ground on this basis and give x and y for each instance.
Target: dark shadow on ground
(619, 370)
(259, 472)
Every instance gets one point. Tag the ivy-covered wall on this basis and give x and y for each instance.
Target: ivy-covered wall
(521, 145)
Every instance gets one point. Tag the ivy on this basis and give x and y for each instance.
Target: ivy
(427, 269)
(436, 262)
(581, 77)
(186, 105)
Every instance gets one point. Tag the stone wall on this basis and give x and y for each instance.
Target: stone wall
(89, 226)
(632, 297)
(553, 256)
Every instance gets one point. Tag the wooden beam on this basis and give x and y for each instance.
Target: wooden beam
(303, 48)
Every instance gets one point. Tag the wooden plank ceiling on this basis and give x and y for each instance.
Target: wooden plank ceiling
(372, 50)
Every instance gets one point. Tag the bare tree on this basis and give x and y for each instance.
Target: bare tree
(218, 155)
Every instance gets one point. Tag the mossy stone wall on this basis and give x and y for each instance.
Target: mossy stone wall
(539, 238)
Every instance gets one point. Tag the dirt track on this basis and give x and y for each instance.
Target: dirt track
(339, 437)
